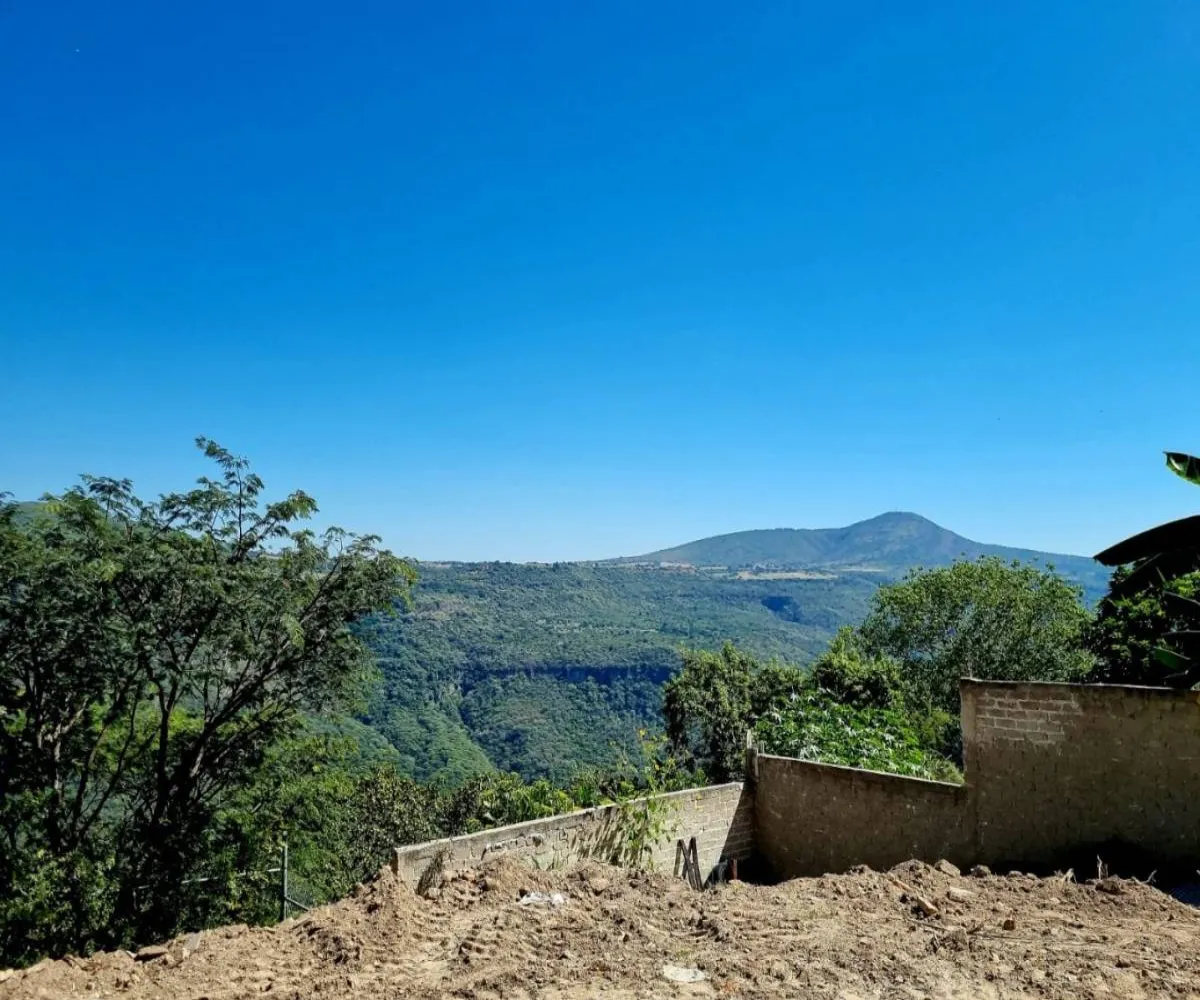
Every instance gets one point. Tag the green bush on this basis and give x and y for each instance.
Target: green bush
(815, 726)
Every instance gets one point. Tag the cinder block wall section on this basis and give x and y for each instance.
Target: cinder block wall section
(721, 818)
(816, 818)
(1055, 774)
(1062, 772)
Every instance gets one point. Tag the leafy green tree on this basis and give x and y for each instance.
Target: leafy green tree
(852, 676)
(1148, 627)
(713, 700)
(151, 654)
(987, 619)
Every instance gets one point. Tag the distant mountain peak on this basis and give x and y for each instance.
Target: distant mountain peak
(896, 517)
(892, 542)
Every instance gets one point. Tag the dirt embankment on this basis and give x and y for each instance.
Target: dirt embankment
(507, 932)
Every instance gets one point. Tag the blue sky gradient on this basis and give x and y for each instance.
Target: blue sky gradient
(545, 280)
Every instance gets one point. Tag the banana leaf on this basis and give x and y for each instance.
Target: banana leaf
(1172, 659)
(1155, 571)
(1186, 671)
(1183, 534)
(1180, 605)
(1185, 466)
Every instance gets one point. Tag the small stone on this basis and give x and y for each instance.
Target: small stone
(955, 937)
(433, 893)
(151, 952)
(1110, 885)
(683, 974)
(1009, 924)
(960, 895)
(981, 871)
(947, 868)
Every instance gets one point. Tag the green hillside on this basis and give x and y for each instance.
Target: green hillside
(892, 542)
(544, 669)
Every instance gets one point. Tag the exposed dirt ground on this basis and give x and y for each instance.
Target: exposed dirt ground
(611, 933)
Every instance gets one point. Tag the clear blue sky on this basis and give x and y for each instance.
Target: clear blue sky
(567, 280)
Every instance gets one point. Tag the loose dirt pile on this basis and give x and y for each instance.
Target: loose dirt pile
(507, 932)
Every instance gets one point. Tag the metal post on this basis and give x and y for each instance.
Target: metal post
(283, 883)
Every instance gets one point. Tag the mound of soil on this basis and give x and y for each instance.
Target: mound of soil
(508, 932)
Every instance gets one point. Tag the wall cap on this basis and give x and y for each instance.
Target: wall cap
(1141, 690)
(884, 777)
(561, 819)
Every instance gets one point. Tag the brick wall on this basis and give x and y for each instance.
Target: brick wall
(721, 818)
(1059, 773)
(816, 818)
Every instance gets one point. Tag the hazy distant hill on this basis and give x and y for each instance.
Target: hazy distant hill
(889, 543)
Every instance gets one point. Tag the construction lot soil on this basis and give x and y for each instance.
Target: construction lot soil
(916, 932)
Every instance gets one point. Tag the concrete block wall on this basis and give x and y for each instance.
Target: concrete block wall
(1054, 775)
(1028, 714)
(816, 818)
(1059, 773)
(721, 818)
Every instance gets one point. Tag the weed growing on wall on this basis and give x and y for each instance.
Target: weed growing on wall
(643, 817)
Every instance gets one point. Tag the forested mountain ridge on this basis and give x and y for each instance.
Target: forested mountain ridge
(892, 542)
(546, 668)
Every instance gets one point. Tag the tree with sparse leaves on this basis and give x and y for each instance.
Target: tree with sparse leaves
(151, 654)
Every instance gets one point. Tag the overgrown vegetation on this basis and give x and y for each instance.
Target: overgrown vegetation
(1147, 630)
(884, 695)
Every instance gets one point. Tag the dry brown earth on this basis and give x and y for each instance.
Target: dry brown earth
(917, 932)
